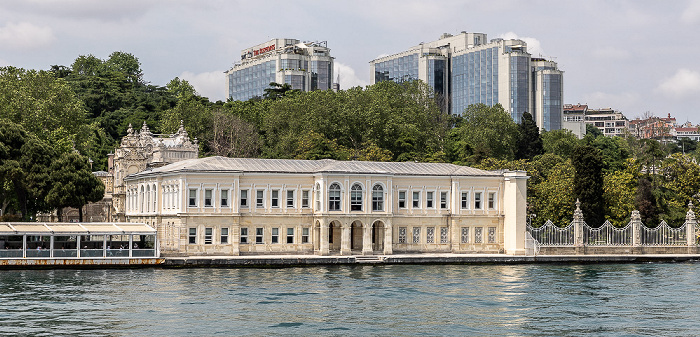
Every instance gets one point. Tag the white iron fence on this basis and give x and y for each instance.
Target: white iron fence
(635, 233)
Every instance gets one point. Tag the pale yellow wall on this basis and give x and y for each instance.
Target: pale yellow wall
(173, 219)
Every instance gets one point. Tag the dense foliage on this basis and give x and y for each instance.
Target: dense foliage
(53, 121)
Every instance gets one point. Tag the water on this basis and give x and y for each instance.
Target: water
(393, 300)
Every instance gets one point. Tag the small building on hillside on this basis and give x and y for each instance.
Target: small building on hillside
(236, 206)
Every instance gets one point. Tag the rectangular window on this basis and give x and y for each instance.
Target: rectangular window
(492, 200)
(193, 197)
(259, 235)
(429, 199)
(402, 199)
(402, 234)
(478, 235)
(430, 235)
(416, 199)
(244, 235)
(224, 236)
(416, 234)
(465, 200)
(443, 200)
(259, 201)
(275, 235)
(443, 235)
(224, 198)
(290, 199)
(465, 234)
(244, 198)
(275, 198)
(208, 232)
(477, 200)
(290, 235)
(305, 199)
(207, 198)
(193, 236)
(305, 235)
(492, 235)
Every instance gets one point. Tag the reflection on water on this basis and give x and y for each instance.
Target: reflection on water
(504, 300)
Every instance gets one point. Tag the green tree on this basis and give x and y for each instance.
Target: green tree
(483, 132)
(44, 105)
(72, 184)
(277, 90)
(24, 169)
(620, 191)
(681, 180)
(559, 142)
(588, 183)
(529, 142)
(645, 201)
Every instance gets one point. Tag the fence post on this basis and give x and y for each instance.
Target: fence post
(636, 228)
(578, 225)
(690, 223)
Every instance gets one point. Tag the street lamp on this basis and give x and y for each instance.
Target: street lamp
(530, 217)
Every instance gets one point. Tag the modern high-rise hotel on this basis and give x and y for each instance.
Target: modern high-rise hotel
(467, 69)
(306, 66)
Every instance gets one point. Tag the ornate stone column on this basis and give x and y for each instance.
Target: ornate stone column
(690, 223)
(345, 248)
(578, 225)
(636, 228)
(367, 239)
(388, 238)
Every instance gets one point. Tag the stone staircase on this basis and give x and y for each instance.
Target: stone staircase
(369, 259)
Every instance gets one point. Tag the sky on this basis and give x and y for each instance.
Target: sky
(637, 57)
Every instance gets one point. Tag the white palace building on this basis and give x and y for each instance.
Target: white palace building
(219, 206)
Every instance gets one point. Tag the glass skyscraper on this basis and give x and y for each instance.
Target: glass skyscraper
(305, 66)
(466, 69)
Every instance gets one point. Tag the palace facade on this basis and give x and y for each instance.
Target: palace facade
(219, 206)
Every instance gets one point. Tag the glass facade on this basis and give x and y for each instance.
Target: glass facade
(474, 79)
(251, 81)
(297, 82)
(321, 73)
(400, 69)
(519, 86)
(436, 75)
(552, 101)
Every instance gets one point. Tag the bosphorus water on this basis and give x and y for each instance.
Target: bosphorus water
(384, 300)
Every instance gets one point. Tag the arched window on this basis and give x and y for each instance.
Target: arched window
(334, 197)
(148, 199)
(377, 198)
(142, 196)
(318, 196)
(356, 197)
(154, 190)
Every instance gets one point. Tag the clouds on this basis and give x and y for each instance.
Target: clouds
(348, 78)
(684, 83)
(208, 84)
(25, 36)
(691, 14)
(617, 101)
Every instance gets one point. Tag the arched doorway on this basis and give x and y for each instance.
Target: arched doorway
(356, 236)
(378, 236)
(334, 236)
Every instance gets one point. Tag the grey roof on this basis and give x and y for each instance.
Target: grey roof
(224, 164)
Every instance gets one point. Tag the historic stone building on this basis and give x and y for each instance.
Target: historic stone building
(140, 151)
(238, 206)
